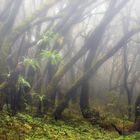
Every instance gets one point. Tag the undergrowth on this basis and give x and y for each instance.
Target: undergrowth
(26, 127)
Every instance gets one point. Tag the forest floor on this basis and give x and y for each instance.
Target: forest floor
(25, 127)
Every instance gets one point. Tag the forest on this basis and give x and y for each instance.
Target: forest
(69, 70)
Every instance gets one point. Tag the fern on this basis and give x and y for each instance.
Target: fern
(31, 62)
(53, 56)
(23, 82)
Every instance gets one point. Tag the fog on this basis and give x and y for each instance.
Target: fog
(62, 57)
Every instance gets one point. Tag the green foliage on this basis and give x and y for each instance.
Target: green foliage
(31, 62)
(23, 82)
(29, 128)
(48, 37)
(41, 97)
(53, 56)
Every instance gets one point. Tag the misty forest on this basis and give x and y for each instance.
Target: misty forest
(69, 69)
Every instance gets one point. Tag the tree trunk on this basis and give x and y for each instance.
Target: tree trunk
(126, 74)
(84, 99)
(137, 108)
(70, 93)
